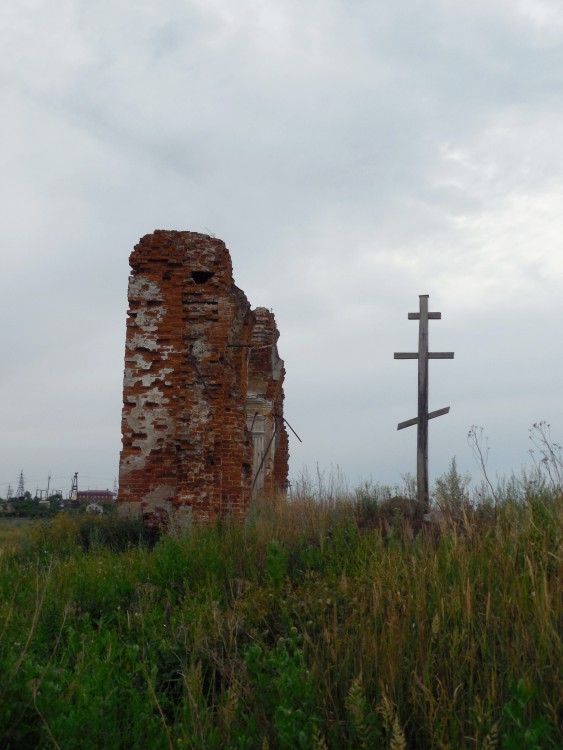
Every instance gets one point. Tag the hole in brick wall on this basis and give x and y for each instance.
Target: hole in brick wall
(200, 277)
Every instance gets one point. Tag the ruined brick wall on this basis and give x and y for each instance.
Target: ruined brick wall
(187, 451)
(265, 406)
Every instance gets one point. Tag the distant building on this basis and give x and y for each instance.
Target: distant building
(95, 508)
(95, 496)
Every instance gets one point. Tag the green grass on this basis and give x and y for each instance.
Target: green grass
(315, 625)
(13, 532)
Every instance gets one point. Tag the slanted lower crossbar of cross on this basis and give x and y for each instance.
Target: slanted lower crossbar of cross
(431, 415)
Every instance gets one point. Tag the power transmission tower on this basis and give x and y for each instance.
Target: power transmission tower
(9, 493)
(20, 492)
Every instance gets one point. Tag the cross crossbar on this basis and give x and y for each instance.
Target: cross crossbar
(431, 316)
(430, 355)
(431, 415)
(421, 421)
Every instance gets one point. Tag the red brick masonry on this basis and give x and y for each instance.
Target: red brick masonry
(202, 419)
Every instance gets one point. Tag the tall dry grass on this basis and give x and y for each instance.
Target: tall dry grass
(325, 621)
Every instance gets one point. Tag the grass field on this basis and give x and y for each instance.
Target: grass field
(13, 531)
(320, 623)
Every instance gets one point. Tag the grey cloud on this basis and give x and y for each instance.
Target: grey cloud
(352, 156)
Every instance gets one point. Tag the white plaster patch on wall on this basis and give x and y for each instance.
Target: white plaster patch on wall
(256, 401)
(148, 318)
(130, 379)
(277, 365)
(199, 349)
(151, 418)
(148, 380)
(142, 288)
(150, 397)
(166, 350)
(139, 360)
(200, 414)
(141, 341)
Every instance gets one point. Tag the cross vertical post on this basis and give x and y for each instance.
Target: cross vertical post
(422, 426)
(421, 421)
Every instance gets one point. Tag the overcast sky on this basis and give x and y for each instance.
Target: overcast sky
(352, 155)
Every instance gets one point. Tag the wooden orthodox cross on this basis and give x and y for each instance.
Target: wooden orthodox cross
(421, 421)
